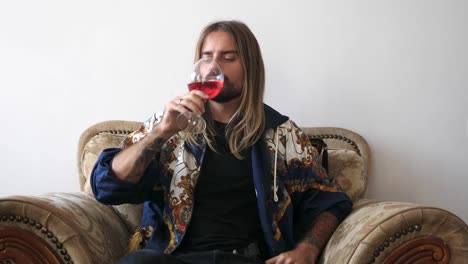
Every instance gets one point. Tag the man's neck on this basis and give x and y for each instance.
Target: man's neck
(222, 112)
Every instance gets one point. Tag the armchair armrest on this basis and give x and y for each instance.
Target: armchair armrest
(396, 232)
(60, 228)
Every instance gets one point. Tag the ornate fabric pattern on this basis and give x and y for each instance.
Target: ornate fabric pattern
(294, 152)
(130, 213)
(373, 222)
(347, 167)
(85, 227)
(181, 173)
(147, 127)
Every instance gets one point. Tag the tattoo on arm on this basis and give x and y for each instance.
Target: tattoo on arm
(148, 153)
(321, 230)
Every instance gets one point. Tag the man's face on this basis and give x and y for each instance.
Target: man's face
(220, 46)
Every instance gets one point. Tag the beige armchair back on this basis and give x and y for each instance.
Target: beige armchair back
(348, 158)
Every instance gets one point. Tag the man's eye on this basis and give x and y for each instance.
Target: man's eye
(229, 59)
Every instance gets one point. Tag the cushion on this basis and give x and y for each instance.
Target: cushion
(348, 169)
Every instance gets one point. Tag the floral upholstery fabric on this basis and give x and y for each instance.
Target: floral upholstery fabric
(93, 149)
(76, 220)
(373, 222)
(130, 213)
(348, 168)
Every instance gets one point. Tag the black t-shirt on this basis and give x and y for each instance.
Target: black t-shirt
(225, 214)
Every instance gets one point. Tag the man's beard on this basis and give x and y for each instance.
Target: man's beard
(228, 92)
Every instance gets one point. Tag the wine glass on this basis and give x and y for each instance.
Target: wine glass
(207, 76)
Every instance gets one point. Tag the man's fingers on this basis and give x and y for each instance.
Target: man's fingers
(272, 260)
(200, 94)
(283, 258)
(191, 104)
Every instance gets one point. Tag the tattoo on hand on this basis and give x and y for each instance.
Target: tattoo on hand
(149, 153)
(321, 230)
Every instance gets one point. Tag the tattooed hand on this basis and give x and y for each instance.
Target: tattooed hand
(313, 242)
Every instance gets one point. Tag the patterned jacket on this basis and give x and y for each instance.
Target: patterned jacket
(291, 186)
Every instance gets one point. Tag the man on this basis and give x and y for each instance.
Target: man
(248, 190)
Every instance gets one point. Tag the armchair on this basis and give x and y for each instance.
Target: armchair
(75, 228)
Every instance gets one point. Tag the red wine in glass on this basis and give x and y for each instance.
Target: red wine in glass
(207, 76)
(211, 88)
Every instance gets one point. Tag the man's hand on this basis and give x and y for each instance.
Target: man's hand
(311, 244)
(194, 101)
(304, 253)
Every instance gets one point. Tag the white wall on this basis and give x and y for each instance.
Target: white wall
(394, 71)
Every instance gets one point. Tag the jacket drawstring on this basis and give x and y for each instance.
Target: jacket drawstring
(275, 186)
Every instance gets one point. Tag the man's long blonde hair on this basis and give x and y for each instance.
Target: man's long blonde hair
(247, 124)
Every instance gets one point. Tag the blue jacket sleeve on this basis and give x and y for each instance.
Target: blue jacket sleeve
(314, 202)
(108, 189)
(319, 191)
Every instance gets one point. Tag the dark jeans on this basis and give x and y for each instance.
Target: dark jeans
(148, 256)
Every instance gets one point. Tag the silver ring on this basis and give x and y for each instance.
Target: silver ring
(180, 101)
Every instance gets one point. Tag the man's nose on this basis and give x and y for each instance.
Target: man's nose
(214, 63)
(218, 58)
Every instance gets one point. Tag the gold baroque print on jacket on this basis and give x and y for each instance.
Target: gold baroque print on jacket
(143, 130)
(284, 200)
(167, 155)
(302, 140)
(182, 188)
(294, 152)
(172, 239)
(181, 168)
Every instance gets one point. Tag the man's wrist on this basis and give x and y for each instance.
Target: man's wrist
(320, 231)
(308, 247)
(159, 132)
